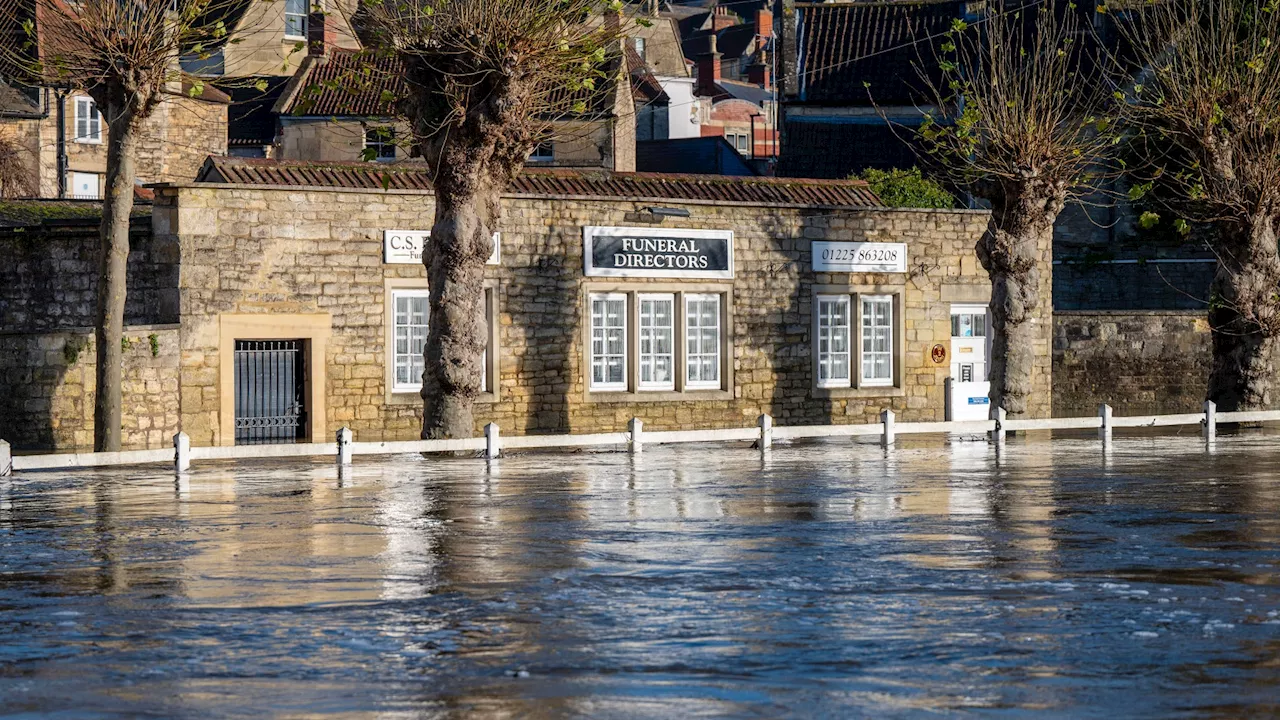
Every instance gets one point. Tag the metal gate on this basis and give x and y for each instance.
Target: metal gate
(270, 391)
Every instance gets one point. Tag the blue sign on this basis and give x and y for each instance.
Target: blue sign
(979, 401)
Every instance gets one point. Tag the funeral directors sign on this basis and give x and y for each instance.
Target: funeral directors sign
(404, 247)
(657, 252)
(859, 257)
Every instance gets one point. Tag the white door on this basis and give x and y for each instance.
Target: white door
(969, 348)
(84, 186)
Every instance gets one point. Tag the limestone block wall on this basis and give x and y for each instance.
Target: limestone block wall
(259, 250)
(179, 136)
(49, 279)
(47, 380)
(1139, 362)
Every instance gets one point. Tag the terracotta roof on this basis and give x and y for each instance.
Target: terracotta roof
(843, 46)
(645, 87)
(598, 183)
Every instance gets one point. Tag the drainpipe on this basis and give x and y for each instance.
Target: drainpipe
(62, 144)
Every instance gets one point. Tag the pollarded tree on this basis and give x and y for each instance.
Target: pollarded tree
(1207, 103)
(125, 55)
(1022, 99)
(482, 81)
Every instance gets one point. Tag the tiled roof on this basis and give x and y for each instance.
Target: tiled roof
(645, 87)
(13, 100)
(732, 42)
(599, 183)
(843, 46)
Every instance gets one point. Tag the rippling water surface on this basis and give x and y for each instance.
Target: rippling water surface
(824, 581)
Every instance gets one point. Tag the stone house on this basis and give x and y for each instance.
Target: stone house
(288, 300)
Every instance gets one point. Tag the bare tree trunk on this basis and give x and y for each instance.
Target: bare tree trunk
(1010, 251)
(112, 268)
(457, 332)
(1245, 316)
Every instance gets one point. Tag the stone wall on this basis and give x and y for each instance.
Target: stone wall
(179, 136)
(47, 380)
(283, 252)
(1138, 362)
(50, 278)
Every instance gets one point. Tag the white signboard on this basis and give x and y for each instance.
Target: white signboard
(404, 247)
(657, 252)
(859, 257)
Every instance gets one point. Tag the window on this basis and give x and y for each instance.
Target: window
(969, 324)
(381, 141)
(837, 353)
(410, 310)
(833, 340)
(609, 342)
(86, 186)
(88, 121)
(543, 152)
(639, 45)
(657, 340)
(702, 341)
(877, 340)
(295, 18)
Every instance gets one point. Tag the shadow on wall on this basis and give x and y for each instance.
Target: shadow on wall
(545, 304)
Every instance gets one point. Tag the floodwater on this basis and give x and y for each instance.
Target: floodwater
(827, 580)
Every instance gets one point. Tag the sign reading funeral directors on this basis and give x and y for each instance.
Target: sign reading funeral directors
(657, 252)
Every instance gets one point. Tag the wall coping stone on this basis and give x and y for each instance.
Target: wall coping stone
(89, 330)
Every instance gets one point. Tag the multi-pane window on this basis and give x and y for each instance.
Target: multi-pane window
(410, 308)
(833, 340)
(543, 152)
(972, 324)
(609, 342)
(295, 18)
(657, 342)
(702, 341)
(88, 121)
(639, 46)
(877, 340)
(381, 142)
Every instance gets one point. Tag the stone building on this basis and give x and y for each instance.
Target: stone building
(686, 301)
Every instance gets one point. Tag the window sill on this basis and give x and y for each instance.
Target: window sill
(623, 396)
(874, 391)
(81, 141)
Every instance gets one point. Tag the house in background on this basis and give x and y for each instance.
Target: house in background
(741, 34)
(743, 113)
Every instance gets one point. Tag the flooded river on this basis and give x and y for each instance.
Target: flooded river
(823, 581)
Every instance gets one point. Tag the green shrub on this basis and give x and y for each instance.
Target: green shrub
(907, 188)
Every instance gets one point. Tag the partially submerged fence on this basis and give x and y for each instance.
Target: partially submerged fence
(343, 448)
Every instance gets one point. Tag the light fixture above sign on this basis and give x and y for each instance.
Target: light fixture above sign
(657, 252)
(404, 247)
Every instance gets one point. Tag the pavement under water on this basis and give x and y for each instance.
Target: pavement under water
(826, 580)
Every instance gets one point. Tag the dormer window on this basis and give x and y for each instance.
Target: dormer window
(295, 19)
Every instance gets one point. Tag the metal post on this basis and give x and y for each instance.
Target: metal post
(492, 444)
(6, 458)
(1210, 429)
(181, 452)
(637, 432)
(998, 433)
(766, 432)
(886, 417)
(344, 447)
(1104, 432)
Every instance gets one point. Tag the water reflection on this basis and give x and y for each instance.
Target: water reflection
(824, 579)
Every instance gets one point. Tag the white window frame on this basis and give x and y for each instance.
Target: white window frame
(863, 301)
(605, 386)
(824, 358)
(543, 152)
(641, 356)
(639, 44)
(396, 295)
(87, 113)
(703, 384)
(384, 141)
(287, 15)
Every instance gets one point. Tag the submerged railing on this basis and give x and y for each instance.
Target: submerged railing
(343, 448)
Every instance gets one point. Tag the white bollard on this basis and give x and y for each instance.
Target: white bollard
(6, 458)
(492, 444)
(1210, 429)
(999, 432)
(636, 426)
(886, 417)
(766, 432)
(344, 447)
(181, 452)
(1104, 431)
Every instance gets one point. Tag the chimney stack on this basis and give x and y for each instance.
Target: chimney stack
(764, 24)
(721, 18)
(321, 34)
(759, 72)
(709, 69)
